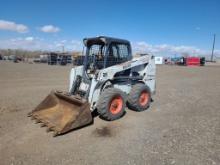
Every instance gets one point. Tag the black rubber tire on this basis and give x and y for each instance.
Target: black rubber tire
(134, 95)
(103, 105)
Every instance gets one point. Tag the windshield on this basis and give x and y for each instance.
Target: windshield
(96, 56)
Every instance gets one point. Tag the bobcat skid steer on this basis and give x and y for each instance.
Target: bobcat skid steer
(108, 81)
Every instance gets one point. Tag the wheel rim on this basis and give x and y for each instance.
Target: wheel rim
(144, 98)
(116, 105)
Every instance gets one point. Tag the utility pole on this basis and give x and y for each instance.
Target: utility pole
(213, 48)
(63, 49)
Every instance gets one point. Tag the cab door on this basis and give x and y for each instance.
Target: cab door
(117, 53)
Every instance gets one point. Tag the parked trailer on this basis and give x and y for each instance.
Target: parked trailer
(202, 61)
(158, 60)
(192, 61)
(52, 59)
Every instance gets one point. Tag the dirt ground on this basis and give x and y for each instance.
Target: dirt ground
(182, 126)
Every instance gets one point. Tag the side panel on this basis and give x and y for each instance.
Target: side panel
(144, 65)
(94, 92)
(149, 73)
(109, 73)
(73, 73)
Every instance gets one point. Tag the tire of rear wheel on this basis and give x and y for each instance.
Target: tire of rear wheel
(134, 95)
(104, 101)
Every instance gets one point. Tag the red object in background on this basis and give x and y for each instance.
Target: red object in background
(192, 61)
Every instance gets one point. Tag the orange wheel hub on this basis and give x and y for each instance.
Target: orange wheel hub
(144, 98)
(116, 105)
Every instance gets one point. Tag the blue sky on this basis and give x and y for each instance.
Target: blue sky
(157, 26)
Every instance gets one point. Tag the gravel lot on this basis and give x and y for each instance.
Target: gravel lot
(182, 126)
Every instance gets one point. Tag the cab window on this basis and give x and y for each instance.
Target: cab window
(118, 53)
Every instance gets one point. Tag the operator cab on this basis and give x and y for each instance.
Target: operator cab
(103, 52)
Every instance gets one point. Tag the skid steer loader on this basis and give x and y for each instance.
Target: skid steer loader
(109, 80)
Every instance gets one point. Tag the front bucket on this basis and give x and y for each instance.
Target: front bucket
(61, 112)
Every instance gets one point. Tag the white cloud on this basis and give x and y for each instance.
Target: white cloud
(76, 45)
(168, 50)
(73, 45)
(50, 29)
(36, 43)
(59, 45)
(28, 43)
(12, 26)
(29, 38)
(63, 41)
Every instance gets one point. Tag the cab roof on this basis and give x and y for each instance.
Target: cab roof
(103, 39)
